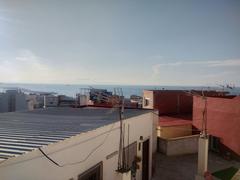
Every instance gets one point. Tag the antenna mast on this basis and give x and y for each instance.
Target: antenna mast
(118, 102)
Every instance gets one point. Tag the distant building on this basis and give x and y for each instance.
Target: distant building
(51, 101)
(76, 144)
(136, 99)
(82, 100)
(99, 96)
(14, 100)
(66, 101)
(4, 102)
(38, 100)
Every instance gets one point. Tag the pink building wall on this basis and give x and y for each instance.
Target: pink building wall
(223, 119)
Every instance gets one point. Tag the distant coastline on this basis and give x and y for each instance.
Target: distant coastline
(72, 89)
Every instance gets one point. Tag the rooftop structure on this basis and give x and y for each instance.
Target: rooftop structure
(175, 102)
(21, 132)
(175, 136)
(14, 100)
(223, 121)
(77, 143)
(166, 121)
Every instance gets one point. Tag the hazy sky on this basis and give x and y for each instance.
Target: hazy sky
(157, 42)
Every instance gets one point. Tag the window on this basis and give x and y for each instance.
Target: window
(130, 153)
(94, 173)
(146, 101)
(214, 143)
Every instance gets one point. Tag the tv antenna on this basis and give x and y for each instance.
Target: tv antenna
(117, 100)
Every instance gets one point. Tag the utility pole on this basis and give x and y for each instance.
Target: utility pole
(203, 145)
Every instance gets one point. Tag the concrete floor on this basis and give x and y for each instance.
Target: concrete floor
(185, 167)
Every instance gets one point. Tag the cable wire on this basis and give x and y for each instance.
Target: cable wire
(91, 152)
(83, 160)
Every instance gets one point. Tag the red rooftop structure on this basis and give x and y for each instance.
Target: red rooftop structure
(181, 110)
(223, 120)
(174, 102)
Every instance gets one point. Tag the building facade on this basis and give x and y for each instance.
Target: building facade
(90, 151)
(223, 119)
(168, 102)
(14, 100)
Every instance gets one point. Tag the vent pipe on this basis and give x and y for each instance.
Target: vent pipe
(44, 102)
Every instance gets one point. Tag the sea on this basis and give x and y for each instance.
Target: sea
(128, 90)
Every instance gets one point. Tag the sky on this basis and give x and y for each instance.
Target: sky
(130, 42)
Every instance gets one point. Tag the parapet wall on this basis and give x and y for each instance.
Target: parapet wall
(178, 146)
(223, 119)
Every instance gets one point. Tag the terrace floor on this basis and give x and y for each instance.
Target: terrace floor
(184, 167)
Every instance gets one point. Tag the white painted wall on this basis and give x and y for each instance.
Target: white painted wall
(83, 100)
(100, 143)
(148, 97)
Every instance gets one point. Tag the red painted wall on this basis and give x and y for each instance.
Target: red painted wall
(166, 101)
(223, 119)
(172, 102)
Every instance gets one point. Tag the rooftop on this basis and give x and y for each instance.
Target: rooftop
(165, 121)
(21, 132)
(195, 91)
(184, 167)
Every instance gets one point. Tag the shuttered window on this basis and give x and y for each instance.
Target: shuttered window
(94, 173)
(130, 153)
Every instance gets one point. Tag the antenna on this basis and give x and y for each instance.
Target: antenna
(203, 139)
(227, 86)
(117, 101)
(204, 120)
(204, 113)
(122, 164)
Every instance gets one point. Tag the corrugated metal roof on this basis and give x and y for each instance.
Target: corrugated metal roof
(21, 132)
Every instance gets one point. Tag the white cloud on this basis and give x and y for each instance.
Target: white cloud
(156, 67)
(233, 62)
(213, 63)
(197, 72)
(156, 57)
(28, 67)
(25, 65)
